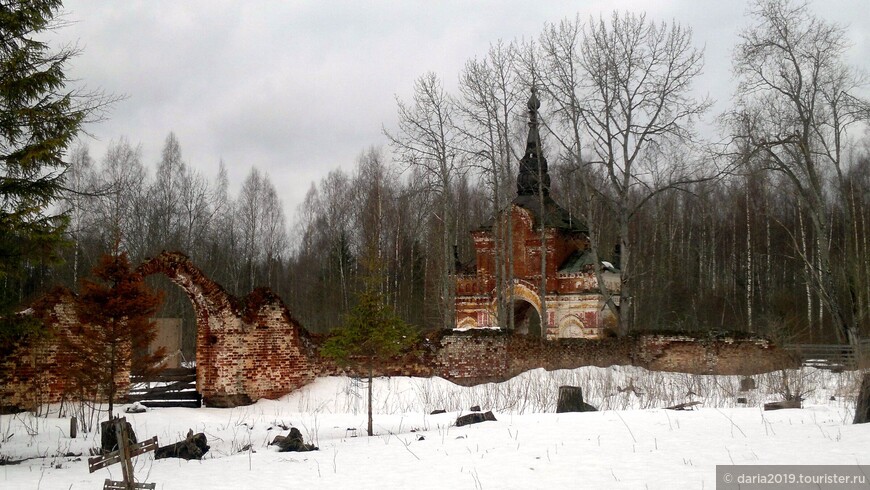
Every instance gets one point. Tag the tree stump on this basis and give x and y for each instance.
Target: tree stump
(862, 411)
(109, 436)
(571, 400)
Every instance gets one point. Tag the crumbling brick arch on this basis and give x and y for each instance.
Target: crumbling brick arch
(246, 348)
(523, 290)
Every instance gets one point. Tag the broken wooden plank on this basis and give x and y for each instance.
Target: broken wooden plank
(174, 386)
(119, 485)
(100, 462)
(167, 395)
(169, 404)
(683, 406)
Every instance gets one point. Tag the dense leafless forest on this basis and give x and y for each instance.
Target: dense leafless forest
(758, 225)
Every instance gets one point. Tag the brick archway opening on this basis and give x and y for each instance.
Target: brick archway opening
(246, 348)
(527, 320)
(208, 299)
(572, 327)
(176, 319)
(526, 310)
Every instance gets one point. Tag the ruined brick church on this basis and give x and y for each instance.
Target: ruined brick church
(564, 284)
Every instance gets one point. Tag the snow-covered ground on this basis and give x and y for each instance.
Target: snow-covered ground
(632, 442)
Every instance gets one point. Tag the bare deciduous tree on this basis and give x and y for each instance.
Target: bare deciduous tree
(491, 93)
(262, 229)
(166, 197)
(428, 138)
(625, 86)
(121, 203)
(795, 103)
(79, 182)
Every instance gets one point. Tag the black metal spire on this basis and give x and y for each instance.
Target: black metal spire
(533, 177)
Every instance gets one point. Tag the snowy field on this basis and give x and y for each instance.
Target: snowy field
(632, 442)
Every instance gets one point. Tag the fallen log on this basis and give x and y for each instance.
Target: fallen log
(783, 404)
(474, 418)
(194, 446)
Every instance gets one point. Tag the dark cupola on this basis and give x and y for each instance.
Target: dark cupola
(533, 178)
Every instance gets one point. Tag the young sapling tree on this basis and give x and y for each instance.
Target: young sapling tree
(372, 333)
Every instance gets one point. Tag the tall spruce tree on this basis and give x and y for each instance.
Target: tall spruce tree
(39, 119)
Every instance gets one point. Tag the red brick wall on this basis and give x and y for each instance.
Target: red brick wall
(247, 348)
(482, 356)
(252, 348)
(34, 371)
(486, 356)
(709, 356)
(471, 357)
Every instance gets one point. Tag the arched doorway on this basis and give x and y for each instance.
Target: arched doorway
(527, 320)
(526, 309)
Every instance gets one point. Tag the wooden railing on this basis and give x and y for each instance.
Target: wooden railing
(174, 387)
(835, 357)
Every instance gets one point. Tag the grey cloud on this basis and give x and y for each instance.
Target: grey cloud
(298, 88)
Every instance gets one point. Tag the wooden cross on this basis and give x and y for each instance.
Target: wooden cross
(123, 455)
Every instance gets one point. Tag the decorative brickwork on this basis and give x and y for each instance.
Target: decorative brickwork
(552, 267)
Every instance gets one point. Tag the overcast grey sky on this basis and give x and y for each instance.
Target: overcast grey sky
(298, 88)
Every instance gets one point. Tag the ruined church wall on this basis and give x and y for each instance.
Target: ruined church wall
(489, 356)
(261, 352)
(29, 373)
(247, 348)
(481, 356)
(257, 353)
(252, 348)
